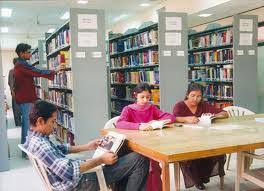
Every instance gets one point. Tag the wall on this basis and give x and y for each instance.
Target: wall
(7, 62)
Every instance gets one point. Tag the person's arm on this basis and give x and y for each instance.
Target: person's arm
(107, 158)
(85, 147)
(124, 121)
(188, 119)
(34, 72)
(221, 115)
(217, 112)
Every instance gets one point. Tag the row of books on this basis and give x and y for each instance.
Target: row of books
(66, 119)
(221, 104)
(37, 81)
(62, 39)
(34, 57)
(219, 91)
(136, 59)
(212, 73)
(61, 98)
(147, 38)
(214, 39)
(64, 135)
(63, 58)
(62, 80)
(151, 76)
(127, 93)
(118, 105)
(210, 57)
(40, 93)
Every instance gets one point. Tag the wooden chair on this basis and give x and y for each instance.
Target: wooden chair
(254, 175)
(111, 123)
(234, 111)
(41, 169)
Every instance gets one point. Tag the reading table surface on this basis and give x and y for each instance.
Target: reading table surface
(174, 144)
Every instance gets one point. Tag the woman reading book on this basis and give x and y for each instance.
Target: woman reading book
(198, 172)
(139, 116)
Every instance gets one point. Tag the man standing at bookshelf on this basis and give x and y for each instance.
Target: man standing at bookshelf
(25, 93)
(15, 106)
(69, 174)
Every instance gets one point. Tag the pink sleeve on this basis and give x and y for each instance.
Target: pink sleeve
(159, 115)
(125, 122)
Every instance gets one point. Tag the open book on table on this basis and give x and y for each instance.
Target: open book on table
(159, 124)
(110, 142)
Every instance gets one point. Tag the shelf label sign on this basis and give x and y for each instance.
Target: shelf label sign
(251, 52)
(87, 21)
(97, 54)
(246, 25)
(180, 53)
(173, 23)
(166, 53)
(173, 39)
(80, 54)
(240, 52)
(87, 39)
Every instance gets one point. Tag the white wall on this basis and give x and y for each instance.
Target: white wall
(7, 64)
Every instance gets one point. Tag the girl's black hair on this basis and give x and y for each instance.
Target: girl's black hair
(142, 87)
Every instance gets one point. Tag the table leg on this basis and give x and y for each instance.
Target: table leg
(238, 175)
(177, 175)
(165, 177)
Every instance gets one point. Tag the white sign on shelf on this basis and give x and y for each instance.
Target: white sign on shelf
(173, 23)
(97, 54)
(80, 54)
(180, 53)
(240, 52)
(87, 39)
(166, 53)
(245, 39)
(172, 39)
(251, 52)
(246, 25)
(87, 21)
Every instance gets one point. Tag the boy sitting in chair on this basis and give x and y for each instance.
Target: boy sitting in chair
(68, 174)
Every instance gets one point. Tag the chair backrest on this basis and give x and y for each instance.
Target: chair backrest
(237, 111)
(111, 123)
(39, 167)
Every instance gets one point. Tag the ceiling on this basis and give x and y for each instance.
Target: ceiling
(31, 18)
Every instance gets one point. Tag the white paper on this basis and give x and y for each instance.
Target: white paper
(87, 21)
(180, 53)
(251, 52)
(245, 39)
(172, 39)
(80, 54)
(87, 39)
(166, 53)
(246, 25)
(173, 23)
(97, 54)
(240, 52)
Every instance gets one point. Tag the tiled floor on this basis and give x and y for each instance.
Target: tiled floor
(22, 176)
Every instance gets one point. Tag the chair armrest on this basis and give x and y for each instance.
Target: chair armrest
(95, 169)
(252, 155)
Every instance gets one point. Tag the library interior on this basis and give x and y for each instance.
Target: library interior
(119, 95)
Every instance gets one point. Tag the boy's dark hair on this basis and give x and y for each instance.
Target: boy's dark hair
(193, 87)
(22, 47)
(41, 109)
(15, 60)
(142, 87)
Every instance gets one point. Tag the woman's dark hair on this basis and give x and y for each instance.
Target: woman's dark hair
(142, 87)
(41, 109)
(22, 47)
(193, 87)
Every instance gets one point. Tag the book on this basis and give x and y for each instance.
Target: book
(206, 119)
(159, 124)
(110, 142)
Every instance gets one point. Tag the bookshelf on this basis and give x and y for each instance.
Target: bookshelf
(80, 90)
(4, 164)
(261, 67)
(38, 60)
(138, 57)
(221, 65)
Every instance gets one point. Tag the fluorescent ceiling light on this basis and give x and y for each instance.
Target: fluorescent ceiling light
(5, 12)
(51, 30)
(65, 16)
(144, 5)
(120, 17)
(205, 15)
(4, 29)
(82, 2)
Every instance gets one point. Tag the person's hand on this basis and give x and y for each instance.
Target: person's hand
(109, 158)
(191, 119)
(145, 127)
(92, 145)
(60, 67)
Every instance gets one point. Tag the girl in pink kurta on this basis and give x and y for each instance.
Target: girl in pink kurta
(137, 117)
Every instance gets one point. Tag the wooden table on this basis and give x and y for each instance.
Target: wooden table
(172, 145)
